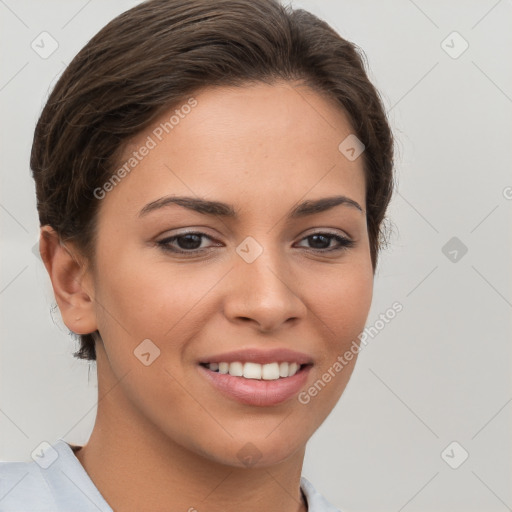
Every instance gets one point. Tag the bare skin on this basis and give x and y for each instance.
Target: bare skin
(165, 438)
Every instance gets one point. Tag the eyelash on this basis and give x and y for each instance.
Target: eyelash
(345, 243)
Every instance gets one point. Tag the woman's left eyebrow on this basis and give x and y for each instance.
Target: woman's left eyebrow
(217, 208)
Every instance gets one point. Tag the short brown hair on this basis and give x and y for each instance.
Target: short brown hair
(153, 56)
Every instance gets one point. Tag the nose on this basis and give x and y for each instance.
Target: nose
(264, 292)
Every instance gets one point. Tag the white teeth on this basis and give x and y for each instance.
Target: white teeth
(269, 371)
(293, 368)
(236, 369)
(252, 370)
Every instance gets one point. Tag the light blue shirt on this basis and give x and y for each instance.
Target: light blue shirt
(58, 482)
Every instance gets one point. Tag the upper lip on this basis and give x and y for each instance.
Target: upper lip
(261, 356)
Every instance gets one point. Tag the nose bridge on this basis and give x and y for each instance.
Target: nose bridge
(262, 288)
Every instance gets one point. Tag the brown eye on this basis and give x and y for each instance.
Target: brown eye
(184, 243)
(322, 241)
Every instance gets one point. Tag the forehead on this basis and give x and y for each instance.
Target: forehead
(258, 142)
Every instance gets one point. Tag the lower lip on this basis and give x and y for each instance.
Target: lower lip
(262, 393)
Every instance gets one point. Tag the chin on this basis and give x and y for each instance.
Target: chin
(245, 452)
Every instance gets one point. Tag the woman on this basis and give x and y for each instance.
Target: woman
(211, 182)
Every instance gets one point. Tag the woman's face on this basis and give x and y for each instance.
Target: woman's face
(251, 285)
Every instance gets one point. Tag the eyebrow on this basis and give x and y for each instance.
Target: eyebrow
(217, 208)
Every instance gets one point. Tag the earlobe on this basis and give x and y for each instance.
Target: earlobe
(73, 293)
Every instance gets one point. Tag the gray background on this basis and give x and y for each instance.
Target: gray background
(440, 371)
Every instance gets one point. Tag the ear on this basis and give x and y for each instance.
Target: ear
(71, 282)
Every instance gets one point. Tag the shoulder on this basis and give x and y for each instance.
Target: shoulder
(316, 502)
(52, 481)
(22, 487)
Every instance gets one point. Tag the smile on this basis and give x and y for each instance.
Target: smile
(257, 389)
(250, 370)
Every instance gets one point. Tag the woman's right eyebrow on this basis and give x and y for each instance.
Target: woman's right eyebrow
(217, 208)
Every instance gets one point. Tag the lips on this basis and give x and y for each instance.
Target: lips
(257, 377)
(279, 355)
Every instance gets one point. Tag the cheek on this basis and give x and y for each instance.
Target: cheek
(341, 309)
(342, 302)
(146, 299)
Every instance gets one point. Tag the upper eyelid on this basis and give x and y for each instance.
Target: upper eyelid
(322, 231)
(198, 231)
